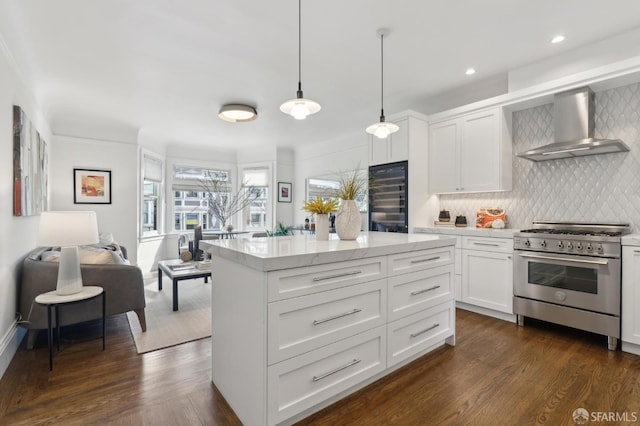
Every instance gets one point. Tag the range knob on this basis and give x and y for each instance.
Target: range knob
(569, 246)
(560, 245)
(527, 243)
(543, 243)
(589, 247)
(579, 246)
(600, 249)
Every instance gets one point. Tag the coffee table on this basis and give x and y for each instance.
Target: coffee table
(178, 270)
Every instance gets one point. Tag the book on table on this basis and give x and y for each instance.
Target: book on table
(204, 265)
(182, 266)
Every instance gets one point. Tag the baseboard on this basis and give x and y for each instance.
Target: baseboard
(631, 348)
(9, 345)
(484, 311)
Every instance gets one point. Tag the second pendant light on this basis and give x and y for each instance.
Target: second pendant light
(382, 129)
(299, 108)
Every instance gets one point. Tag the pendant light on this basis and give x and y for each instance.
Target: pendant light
(299, 108)
(382, 129)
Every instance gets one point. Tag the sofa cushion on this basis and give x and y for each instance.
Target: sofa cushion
(90, 255)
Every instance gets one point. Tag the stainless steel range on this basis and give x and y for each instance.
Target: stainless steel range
(569, 273)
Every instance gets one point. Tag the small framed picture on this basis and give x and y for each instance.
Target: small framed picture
(91, 186)
(284, 192)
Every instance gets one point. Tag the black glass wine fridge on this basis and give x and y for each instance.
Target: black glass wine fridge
(388, 197)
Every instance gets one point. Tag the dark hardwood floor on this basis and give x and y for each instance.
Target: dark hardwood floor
(497, 373)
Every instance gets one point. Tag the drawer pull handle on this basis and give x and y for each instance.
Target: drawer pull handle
(636, 252)
(428, 259)
(486, 244)
(425, 330)
(415, 293)
(354, 311)
(328, 277)
(322, 376)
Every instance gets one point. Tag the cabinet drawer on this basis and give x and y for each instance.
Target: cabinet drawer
(299, 383)
(415, 333)
(403, 263)
(411, 293)
(288, 283)
(305, 323)
(502, 245)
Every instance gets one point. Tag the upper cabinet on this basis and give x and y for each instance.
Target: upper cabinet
(394, 148)
(471, 153)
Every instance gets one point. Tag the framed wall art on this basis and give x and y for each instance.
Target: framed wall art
(284, 192)
(91, 186)
(30, 167)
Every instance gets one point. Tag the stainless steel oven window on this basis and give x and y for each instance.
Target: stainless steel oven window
(574, 278)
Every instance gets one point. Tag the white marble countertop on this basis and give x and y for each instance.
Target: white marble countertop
(468, 230)
(273, 253)
(631, 240)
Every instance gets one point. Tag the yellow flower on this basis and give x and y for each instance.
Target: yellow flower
(319, 206)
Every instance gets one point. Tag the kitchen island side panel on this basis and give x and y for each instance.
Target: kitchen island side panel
(239, 338)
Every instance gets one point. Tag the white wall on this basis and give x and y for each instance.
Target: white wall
(18, 234)
(344, 153)
(285, 172)
(581, 59)
(121, 216)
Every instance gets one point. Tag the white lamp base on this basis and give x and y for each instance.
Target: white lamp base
(69, 277)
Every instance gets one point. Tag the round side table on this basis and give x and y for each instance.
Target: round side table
(53, 300)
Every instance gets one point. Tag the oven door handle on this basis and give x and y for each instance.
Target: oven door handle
(593, 262)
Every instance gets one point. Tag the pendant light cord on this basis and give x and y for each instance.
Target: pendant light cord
(299, 49)
(382, 77)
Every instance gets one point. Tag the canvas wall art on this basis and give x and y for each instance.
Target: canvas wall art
(30, 167)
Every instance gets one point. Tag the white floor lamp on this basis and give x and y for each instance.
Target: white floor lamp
(68, 230)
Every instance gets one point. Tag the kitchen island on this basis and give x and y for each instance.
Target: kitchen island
(298, 324)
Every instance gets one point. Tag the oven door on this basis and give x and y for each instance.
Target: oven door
(590, 283)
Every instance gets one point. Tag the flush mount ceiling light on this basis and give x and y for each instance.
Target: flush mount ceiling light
(382, 129)
(237, 113)
(558, 39)
(470, 71)
(299, 108)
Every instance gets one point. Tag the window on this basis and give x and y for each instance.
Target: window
(190, 204)
(151, 195)
(255, 214)
(150, 206)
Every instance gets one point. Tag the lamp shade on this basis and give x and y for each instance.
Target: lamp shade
(65, 229)
(300, 108)
(382, 129)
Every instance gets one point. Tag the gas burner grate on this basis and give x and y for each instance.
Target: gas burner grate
(572, 232)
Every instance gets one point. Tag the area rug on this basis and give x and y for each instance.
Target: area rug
(168, 328)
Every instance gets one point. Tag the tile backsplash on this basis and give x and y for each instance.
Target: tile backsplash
(598, 188)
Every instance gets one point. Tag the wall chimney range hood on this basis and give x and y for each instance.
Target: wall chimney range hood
(574, 123)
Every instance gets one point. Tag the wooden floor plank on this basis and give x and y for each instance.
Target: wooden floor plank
(497, 373)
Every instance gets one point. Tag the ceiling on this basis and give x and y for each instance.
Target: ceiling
(162, 69)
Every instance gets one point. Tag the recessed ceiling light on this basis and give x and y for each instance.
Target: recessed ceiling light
(558, 39)
(237, 113)
(470, 71)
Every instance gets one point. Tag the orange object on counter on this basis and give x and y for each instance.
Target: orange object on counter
(486, 215)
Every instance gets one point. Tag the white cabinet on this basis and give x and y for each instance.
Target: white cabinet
(631, 299)
(289, 339)
(394, 147)
(471, 153)
(487, 278)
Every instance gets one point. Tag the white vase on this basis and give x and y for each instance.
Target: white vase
(348, 220)
(322, 227)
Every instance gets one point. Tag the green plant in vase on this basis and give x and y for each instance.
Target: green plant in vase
(321, 209)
